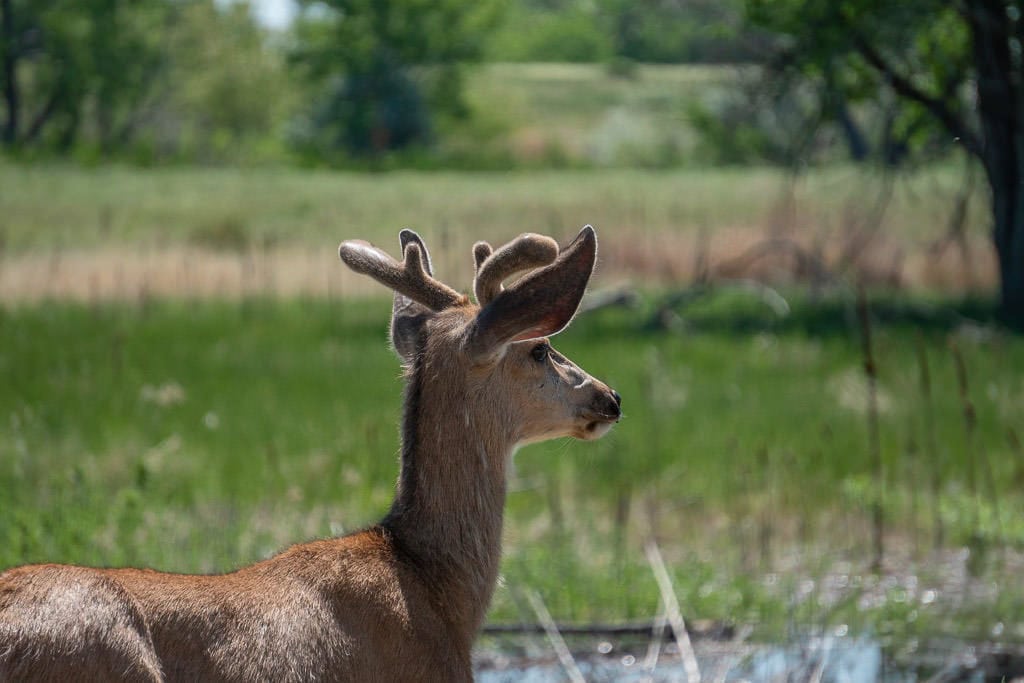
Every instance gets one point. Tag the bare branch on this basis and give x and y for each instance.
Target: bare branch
(44, 114)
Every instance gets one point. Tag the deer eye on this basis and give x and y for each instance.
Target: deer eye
(540, 352)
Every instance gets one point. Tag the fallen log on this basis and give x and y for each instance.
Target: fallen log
(699, 630)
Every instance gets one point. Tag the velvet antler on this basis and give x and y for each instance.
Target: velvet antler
(526, 252)
(409, 278)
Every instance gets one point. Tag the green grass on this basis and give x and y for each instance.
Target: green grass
(199, 436)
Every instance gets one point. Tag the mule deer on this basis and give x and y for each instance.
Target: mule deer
(401, 600)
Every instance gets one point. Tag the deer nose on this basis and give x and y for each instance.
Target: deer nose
(614, 408)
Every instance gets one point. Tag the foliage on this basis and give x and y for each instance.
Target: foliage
(704, 31)
(150, 79)
(226, 91)
(651, 31)
(366, 113)
(160, 80)
(71, 67)
(749, 125)
(819, 48)
(570, 33)
(382, 66)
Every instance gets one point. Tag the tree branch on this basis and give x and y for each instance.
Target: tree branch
(905, 88)
(44, 115)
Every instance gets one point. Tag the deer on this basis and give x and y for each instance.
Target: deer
(401, 600)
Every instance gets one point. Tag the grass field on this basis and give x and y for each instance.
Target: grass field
(191, 381)
(196, 436)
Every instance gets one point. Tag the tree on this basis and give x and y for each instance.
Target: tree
(70, 64)
(150, 78)
(384, 65)
(955, 63)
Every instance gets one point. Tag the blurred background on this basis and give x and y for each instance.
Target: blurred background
(810, 293)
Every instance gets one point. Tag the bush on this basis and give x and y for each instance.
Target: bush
(748, 125)
(366, 115)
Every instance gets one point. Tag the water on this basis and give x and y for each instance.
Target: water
(824, 659)
(828, 659)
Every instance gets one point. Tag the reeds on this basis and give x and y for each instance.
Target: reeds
(932, 455)
(874, 441)
(977, 459)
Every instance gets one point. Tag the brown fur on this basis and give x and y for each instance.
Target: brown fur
(400, 601)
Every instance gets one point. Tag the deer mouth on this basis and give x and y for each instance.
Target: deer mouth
(596, 425)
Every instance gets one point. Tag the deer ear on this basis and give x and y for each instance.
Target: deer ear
(540, 304)
(407, 316)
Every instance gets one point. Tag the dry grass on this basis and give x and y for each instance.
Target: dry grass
(651, 259)
(129, 273)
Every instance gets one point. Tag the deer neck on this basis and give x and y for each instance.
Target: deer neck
(449, 505)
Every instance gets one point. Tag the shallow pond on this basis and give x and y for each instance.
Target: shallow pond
(828, 659)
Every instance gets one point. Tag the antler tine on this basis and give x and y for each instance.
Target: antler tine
(409, 277)
(405, 236)
(525, 252)
(481, 250)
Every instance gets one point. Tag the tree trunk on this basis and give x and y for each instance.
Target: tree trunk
(835, 101)
(10, 72)
(1008, 210)
(1000, 106)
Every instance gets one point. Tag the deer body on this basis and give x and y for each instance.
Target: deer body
(399, 601)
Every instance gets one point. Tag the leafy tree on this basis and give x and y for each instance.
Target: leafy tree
(159, 78)
(955, 65)
(71, 65)
(384, 66)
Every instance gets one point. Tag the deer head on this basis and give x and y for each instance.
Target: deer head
(492, 360)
